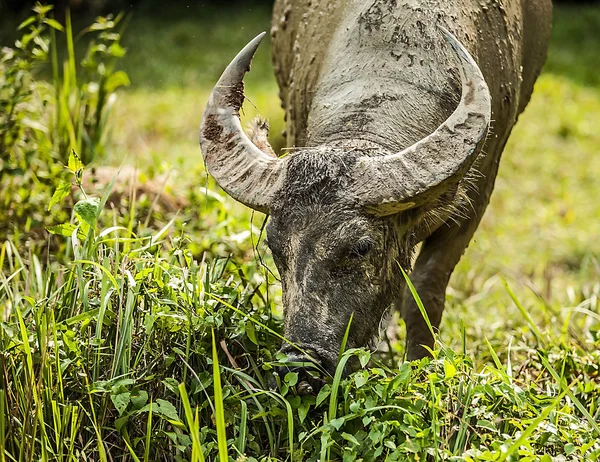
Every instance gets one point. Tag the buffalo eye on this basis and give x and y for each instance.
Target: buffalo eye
(361, 248)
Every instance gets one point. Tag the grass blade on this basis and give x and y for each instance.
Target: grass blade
(219, 410)
(418, 301)
(148, 433)
(243, 429)
(197, 454)
(345, 339)
(524, 312)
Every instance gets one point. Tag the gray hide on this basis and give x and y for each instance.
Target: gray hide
(364, 71)
(370, 78)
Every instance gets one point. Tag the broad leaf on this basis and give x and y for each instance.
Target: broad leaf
(74, 164)
(62, 191)
(87, 210)
(64, 229)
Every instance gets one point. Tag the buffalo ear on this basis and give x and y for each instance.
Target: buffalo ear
(259, 135)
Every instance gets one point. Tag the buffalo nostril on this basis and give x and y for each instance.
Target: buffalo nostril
(304, 388)
(308, 379)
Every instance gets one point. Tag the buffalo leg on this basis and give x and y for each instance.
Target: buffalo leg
(439, 254)
(430, 277)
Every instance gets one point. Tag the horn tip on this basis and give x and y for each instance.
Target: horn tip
(242, 61)
(253, 44)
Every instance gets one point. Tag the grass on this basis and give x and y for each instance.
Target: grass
(154, 339)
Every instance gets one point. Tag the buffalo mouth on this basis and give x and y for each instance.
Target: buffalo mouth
(314, 365)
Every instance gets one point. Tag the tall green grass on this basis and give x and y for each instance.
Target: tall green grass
(42, 122)
(153, 353)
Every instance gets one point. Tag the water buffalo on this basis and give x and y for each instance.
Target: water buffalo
(388, 108)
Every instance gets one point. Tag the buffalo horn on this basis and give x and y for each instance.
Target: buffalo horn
(246, 173)
(391, 183)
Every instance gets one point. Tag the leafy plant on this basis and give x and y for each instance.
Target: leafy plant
(27, 164)
(40, 124)
(157, 341)
(133, 346)
(84, 98)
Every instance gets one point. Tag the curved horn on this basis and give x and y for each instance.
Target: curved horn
(246, 173)
(400, 181)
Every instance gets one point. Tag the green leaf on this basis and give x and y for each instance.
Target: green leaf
(294, 401)
(390, 444)
(404, 372)
(67, 338)
(364, 356)
(351, 438)
(116, 80)
(139, 399)
(337, 423)
(42, 9)
(449, 369)
(87, 210)
(54, 24)
(62, 191)
(117, 51)
(323, 393)
(360, 378)
(25, 23)
(64, 229)
(121, 401)
(74, 164)
(148, 325)
(251, 332)
(167, 410)
(82, 317)
(120, 385)
(291, 378)
(171, 384)
(102, 25)
(487, 425)
(120, 422)
(303, 410)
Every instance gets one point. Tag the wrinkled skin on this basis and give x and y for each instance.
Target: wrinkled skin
(336, 260)
(356, 75)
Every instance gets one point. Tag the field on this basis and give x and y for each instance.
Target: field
(146, 329)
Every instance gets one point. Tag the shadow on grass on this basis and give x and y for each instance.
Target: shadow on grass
(574, 48)
(190, 46)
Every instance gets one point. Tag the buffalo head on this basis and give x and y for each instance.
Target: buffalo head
(342, 216)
